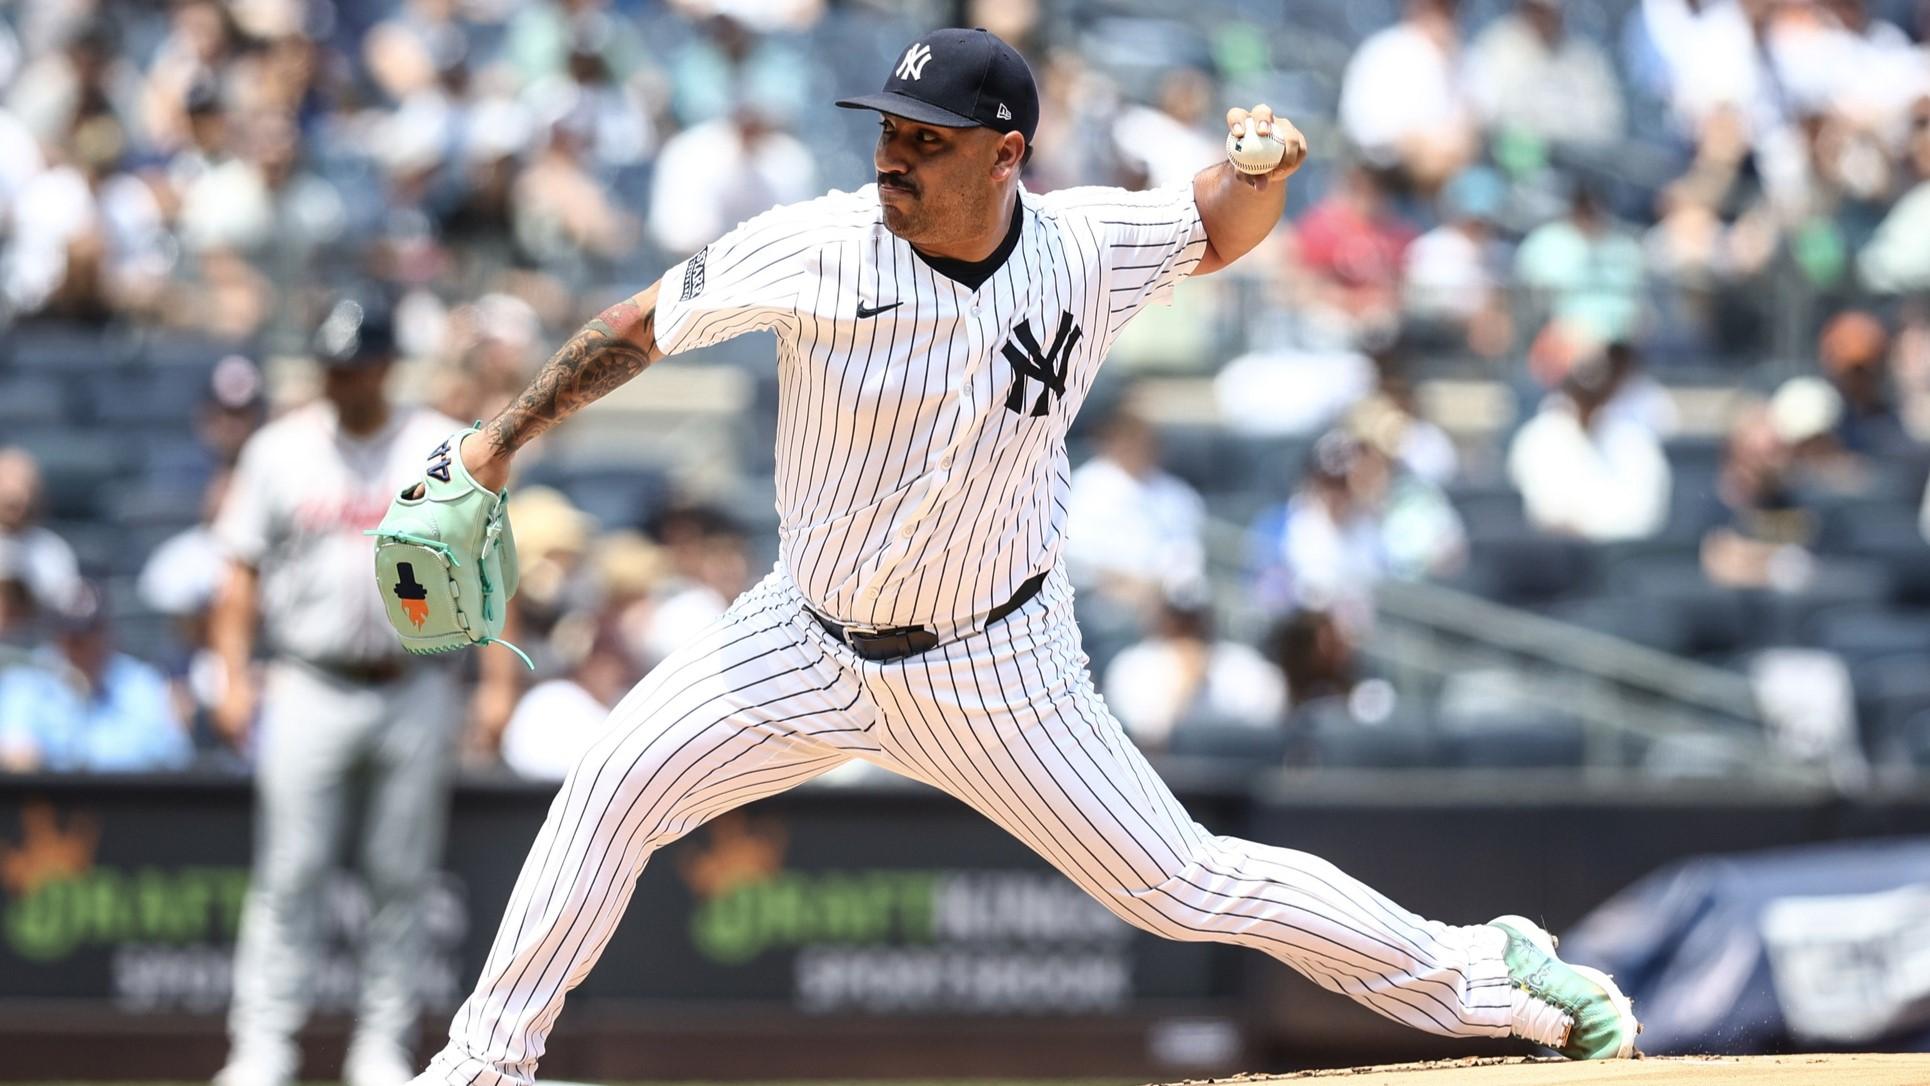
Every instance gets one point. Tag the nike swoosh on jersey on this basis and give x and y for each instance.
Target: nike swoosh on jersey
(863, 312)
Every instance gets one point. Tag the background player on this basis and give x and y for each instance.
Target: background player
(937, 332)
(347, 721)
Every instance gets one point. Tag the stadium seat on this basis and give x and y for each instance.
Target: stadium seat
(617, 495)
(1325, 734)
(74, 467)
(59, 347)
(159, 399)
(1489, 510)
(1889, 535)
(1527, 568)
(1714, 620)
(1653, 623)
(1912, 742)
(1365, 747)
(1834, 582)
(30, 398)
(1859, 633)
(1514, 742)
(173, 354)
(1236, 744)
(97, 545)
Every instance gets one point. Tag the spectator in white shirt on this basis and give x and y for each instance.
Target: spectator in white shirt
(1453, 278)
(715, 175)
(1168, 143)
(1131, 528)
(1588, 472)
(1526, 74)
(1358, 516)
(556, 720)
(47, 563)
(1401, 99)
(1182, 674)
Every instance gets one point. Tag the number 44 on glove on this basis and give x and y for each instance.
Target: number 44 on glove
(445, 560)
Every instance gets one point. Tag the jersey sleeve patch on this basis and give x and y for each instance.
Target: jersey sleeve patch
(694, 274)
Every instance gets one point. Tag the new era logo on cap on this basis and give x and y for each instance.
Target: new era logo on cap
(916, 57)
(1004, 114)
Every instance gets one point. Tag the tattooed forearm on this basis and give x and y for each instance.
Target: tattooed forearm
(606, 352)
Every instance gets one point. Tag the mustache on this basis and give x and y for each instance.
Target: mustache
(897, 181)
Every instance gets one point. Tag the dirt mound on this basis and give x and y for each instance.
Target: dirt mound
(1857, 1069)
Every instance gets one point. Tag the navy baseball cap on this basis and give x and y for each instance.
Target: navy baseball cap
(957, 78)
(354, 334)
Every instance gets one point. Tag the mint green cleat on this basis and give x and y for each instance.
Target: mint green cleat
(1575, 1010)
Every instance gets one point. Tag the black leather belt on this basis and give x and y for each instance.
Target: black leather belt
(364, 672)
(897, 642)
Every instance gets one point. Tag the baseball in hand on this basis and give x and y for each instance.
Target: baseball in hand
(1251, 152)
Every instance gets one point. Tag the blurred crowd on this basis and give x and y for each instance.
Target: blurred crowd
(1576, 204)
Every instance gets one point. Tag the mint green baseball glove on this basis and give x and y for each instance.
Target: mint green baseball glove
(445, 558)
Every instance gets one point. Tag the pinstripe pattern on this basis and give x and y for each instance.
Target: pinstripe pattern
(907, 492)
(917, 485)
(1007, 721)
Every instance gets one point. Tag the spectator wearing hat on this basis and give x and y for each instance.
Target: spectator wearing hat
(1587, 472)
(81, 706)
(552, 541)
(1805, 412)
(1758, 533)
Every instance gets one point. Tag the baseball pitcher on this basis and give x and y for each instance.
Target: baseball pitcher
(937, 331)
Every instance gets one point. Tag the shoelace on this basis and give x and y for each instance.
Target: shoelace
(1538, 1020)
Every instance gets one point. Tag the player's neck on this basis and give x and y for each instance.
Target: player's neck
(363, 422)
(983, 243)
(974, 272)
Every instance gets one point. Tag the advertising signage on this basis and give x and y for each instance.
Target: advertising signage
(844, 902)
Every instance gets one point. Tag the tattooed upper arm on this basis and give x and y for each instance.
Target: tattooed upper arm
(616, 345)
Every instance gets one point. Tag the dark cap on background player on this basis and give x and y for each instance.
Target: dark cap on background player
(957, 78)
(354, 333)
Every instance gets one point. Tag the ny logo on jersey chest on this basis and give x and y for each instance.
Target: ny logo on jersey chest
(1047, 367)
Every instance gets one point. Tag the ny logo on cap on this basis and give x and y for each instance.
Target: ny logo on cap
(913, 66)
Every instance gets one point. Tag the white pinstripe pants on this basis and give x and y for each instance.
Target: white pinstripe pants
(1007, 721)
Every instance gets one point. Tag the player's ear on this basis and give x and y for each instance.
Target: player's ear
(1011, 153)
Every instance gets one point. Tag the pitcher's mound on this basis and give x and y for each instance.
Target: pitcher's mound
(1854, 1069)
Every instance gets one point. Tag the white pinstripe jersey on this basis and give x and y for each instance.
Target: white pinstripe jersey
(921, 461)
